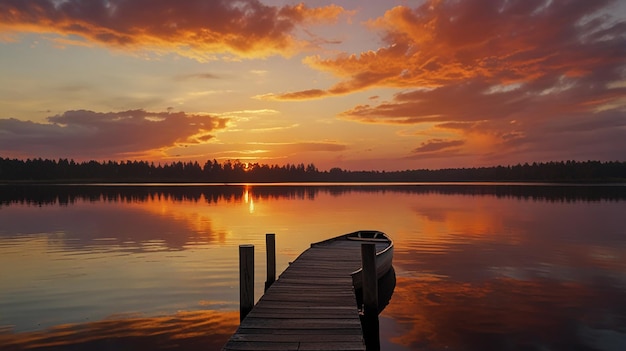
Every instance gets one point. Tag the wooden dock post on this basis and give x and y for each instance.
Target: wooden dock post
(370, 281)
(270, 249)
(246, 280)
(370, 323)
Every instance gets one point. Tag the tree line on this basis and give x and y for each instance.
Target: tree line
(212, 171)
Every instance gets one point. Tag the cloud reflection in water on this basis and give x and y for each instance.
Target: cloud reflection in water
(198, 330)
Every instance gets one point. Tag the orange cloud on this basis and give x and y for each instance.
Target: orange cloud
(91, 135)
(193, 28)
(503, 42)
(508, 80)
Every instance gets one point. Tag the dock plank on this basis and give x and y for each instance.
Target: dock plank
(311, 306)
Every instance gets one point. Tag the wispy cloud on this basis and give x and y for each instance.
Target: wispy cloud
(437, 145)
(258, 112)
(305, 146)
(299, 95)
(85, 134)
(194, 28)
(194, 76)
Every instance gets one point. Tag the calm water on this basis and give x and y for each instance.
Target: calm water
(478, 267)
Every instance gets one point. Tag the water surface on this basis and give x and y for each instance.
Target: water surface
(478, 266)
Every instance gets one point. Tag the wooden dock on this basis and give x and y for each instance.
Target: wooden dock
(312, 306)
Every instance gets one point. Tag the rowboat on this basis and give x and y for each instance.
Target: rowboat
(384, 251)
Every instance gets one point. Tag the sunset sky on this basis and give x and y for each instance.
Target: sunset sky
(383, 85)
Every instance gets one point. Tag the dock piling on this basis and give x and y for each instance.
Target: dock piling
(246, 280)
(370, 281)
(270, 245)
(370, 323)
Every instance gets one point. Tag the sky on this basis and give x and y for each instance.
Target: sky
(360, 85)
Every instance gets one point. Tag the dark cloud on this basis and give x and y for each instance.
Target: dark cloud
(572, 118)
(87, 134)
(195, 28)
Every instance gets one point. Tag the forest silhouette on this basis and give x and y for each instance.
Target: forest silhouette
(64, 171)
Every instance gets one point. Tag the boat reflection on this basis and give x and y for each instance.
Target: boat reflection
(386, 287)
(371, 324)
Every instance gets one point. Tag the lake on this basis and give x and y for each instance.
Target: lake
(478, 266)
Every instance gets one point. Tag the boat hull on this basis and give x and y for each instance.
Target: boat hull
(384, 251)
(384, 254)
(384, 262)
